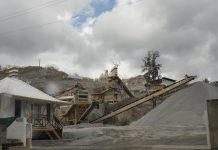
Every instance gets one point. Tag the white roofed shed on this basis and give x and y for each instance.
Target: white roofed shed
(19, 99)
(24, 91)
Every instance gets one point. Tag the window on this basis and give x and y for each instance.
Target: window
(37, 110)
(48, 111)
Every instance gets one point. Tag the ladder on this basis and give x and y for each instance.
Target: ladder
(146, 98)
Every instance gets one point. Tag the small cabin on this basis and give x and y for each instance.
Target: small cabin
(26, 111)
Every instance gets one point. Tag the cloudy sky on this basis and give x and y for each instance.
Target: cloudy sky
(88, 36)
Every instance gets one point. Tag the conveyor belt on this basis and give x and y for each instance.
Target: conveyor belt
(146, 98)
(88, 110)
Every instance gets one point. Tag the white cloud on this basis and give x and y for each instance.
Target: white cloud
(87, 27)
(185, 33)
(66, 17)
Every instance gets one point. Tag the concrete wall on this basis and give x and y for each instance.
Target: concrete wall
(212, 109)
(7, 106)
(2, 137)
(20, 130)
(29, 133)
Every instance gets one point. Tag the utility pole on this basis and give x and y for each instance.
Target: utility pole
(39, 63)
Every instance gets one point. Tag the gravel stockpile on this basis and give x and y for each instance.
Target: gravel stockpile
(128, 138)
(186, 107)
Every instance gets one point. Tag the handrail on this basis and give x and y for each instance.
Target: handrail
(43, 122)
(58, 126)
(39, 122)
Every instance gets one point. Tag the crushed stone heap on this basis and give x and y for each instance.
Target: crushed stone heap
(186, 107)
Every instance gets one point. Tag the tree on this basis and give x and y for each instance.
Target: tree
(151, 68)
(206, 80)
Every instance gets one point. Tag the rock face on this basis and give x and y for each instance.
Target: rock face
(186, 107)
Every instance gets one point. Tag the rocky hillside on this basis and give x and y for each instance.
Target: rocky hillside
(136, 80)
(136, 85)
(50, 79)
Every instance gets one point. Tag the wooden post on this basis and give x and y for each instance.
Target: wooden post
(75, 115)
(154, 102)
(212, 109)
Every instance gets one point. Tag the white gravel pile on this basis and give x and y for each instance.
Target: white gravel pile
(186, 107)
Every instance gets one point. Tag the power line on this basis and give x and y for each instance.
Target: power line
(30, 27)
(45, 5)
(25, 9)
(30, 10)
(52, 22)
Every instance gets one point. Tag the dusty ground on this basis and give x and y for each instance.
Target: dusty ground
(181, 120)
(128, 138)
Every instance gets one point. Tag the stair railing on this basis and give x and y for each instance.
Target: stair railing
(58, 126)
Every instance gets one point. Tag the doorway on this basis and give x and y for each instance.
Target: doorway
(17, 108)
